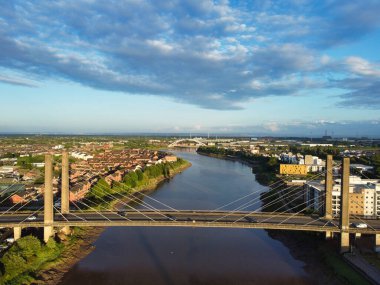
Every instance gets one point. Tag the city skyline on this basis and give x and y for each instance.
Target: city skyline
(226, 67)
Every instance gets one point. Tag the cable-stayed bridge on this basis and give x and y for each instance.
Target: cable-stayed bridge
(288, 214)
(189, 218)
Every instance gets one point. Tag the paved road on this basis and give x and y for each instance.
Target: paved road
(189, 218)
(362, 265)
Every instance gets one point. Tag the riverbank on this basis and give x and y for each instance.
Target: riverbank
(265, 168)
(322, 261)
(81, 242)
(76, 247)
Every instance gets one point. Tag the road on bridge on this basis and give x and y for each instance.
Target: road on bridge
(189, 218)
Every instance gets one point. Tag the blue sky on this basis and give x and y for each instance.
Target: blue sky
(255, 67)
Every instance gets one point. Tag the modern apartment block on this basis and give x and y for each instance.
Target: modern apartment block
(364, 196)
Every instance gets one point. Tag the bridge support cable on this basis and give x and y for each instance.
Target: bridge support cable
(72, 213)
(270, 187)
(250, 194)
(63, 216)
(276, 200)
(255, 202)
(126, 204)
(289, 194)
(147, 196)
(99, 190)
(154, 209)
(23, 205)
(107, 210)
(364, 222)
(134, 209)
(111, 206)
(133, 198)
(258, 199)
(94, 210)
(249, 205)
(164, 204)
(303, 209)
(281, 197)
(360, 218)
(277, 213)
(96, 205)
(35, 212)
(6, 198)
(322, 218)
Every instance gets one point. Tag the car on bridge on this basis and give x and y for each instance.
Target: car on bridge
(250, 220)
(32, 217)
(122, 213)
(360, 225)
(170, 217)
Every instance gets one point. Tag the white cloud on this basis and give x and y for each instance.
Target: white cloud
(361, 66)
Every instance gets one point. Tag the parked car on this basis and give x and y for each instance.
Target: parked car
(10, 240)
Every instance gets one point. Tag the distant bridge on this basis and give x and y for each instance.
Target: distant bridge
(177, 143)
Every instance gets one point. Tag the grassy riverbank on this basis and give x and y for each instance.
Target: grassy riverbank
(105, 196)
(29, 261)
(264, 167)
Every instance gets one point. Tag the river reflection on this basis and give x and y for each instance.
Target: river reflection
(192, 255)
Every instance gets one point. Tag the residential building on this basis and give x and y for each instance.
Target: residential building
(364, 196)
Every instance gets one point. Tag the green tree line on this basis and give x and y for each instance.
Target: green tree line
(264, 167)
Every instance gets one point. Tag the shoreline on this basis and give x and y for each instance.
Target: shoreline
(314, 264)
(79, 245)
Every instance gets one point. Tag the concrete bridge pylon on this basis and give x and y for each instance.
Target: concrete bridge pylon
(48, 198)
(65, 189)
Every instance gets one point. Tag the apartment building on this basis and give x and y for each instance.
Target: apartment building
(364, 196)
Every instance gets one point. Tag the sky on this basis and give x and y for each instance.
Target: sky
(279, 68)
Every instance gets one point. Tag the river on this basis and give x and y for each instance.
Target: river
(192, 255)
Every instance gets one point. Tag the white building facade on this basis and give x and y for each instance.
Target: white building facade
(369, 188)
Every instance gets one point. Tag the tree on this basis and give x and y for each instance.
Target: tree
(140, 175)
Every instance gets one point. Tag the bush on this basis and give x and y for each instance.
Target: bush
(26, 256)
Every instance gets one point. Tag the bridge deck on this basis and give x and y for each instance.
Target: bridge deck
(189, 218)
